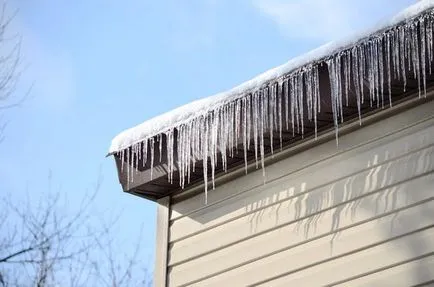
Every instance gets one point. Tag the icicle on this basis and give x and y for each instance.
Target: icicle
(396, 57)
(356, 80)
(244, 128)
(414, 42)
(204, 144)
(194, 144)
(229, 128)
(139, 154)
(183, 162)
(128, 168)
(169, 149)
(286, 95)
(334, 86)
(136, 157)
(408, 47)
(118, 154)
(402, 52)
(180, 154)
(308, 84)
(133, 160)
(221, 142)
(316, 98)
(184, 155)
(255, 103)
(418, 59)
(292, 88)
(318, 88)
(224, 134)
(279, 87)
(429, 35)
(200, 134)
(179, 147)
(339, 87)
(213, 130)
(216, 146)
(377, 71)
(275, 104)
(265, 103)
(188, 152)
(381, 69)
(423, 53)
(389, 68)
(122, 159)
(347, 75)
(172, 150)
(371, 73)
(144, 152)
(249, 119)
(362, 62)
(199, 131)
(262, 122)
(216, 138)
(152, 156)
(232, 128)
(237, 122)
(296, 102)
(160, 146)
(270, 102)
(234, 140)
(301, 101)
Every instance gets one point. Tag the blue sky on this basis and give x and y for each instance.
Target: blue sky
(101, 66)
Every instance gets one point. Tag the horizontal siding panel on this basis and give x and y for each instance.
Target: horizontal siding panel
(425, 284)
(400, 250)
(293, 184)
(374, 135)
(361, 214)
(305, 251)
(413, 273)
(336, 194)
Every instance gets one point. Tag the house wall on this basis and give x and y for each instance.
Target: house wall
(361, 214)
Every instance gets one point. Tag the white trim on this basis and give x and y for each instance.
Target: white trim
(162, 242)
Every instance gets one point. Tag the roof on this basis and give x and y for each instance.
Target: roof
(360, 72)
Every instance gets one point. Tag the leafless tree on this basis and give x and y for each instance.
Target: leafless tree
(10, 66)
(120, 268)
(48, 243)
(45, 245)
(38, 239)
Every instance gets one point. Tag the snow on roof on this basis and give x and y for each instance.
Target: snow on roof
(187, 113)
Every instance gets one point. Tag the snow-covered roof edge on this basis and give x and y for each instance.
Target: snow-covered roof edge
(196, 109)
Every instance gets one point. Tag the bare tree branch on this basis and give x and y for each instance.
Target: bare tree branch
(10, 66)
(40, 242)
(50, 241)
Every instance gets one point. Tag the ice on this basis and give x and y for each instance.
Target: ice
(195, 109)
(255, 124)
(388, 67)
(152, 156)
(274, 102)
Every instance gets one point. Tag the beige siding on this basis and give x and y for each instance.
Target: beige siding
(356, 215)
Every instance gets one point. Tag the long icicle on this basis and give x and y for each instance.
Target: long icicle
(367, 68)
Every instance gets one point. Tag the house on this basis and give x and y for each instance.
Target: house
(319, 172)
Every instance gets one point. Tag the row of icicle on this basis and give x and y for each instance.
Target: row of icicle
(371, 64)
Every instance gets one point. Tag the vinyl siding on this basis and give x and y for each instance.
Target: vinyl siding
(361, 214)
